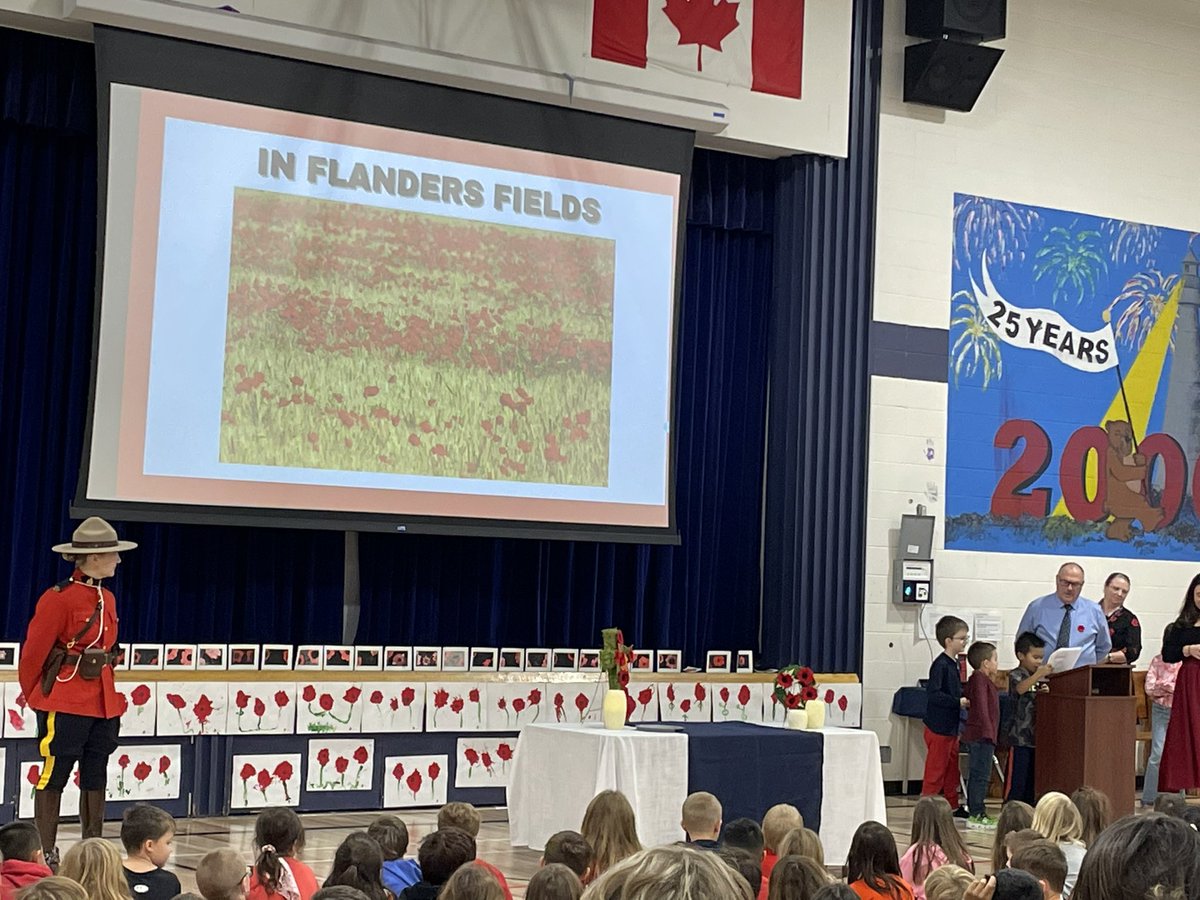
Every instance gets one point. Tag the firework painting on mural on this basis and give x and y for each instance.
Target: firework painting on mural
(1072, 422)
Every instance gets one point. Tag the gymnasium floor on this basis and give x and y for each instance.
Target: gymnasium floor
(324, 831)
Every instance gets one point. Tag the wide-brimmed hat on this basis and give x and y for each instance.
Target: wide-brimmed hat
(94, 535)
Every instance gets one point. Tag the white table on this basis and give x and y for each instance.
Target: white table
(559, 769)
(851, 788)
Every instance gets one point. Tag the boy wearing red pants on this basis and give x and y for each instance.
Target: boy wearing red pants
(942, 711)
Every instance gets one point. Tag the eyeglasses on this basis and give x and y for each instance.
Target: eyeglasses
(1071, 584)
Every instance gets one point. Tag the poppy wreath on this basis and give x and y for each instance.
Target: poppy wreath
(795, 686)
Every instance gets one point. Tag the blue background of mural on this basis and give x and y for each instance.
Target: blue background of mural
(1078, 265)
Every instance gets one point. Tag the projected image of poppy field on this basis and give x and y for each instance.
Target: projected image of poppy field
(368, 339)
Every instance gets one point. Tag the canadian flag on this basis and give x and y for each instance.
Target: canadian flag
(754, 43)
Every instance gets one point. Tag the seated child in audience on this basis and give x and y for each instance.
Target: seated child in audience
(745, 835)
(440, 855)
(1014, 816)
(948, 883)
(1170, 804)
(837, 890)
(873, 866)
(935, 842)
(745, 865)
(465, 816)
(1046, 862)
(279, 839)
(610, 830)
(554, 881)
(472, 883)
(148, 834)
(358, 863)
(24, 863)
(803, 842)
(1094, 809)
(796, 878)
(778, 821)
(339, 892)
(1057, 819)
(96, 865)
(1013, 884)
(222, 875)
(53, 887)
(673, 872)
(391, 834)
(570, 849)
(1015, 840)
(701, 820)
(1141, 856)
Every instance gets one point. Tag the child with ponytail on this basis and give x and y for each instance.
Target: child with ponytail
(278, 874)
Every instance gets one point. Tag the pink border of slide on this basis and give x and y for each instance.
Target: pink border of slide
(155, 107)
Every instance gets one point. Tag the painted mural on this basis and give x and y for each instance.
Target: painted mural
(1073, 421)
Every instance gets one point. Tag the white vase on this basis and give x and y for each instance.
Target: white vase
(795, 719)
(815, 711)
(614, 710)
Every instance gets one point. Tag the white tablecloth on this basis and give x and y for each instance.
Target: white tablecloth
(851, 789)
(560, 768)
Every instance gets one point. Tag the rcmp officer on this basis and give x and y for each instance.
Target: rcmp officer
(66, 674)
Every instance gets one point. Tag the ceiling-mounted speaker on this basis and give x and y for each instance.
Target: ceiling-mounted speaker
(976, 20)
(946, 73)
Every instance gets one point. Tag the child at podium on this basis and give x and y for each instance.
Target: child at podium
(1023, 682)
(944, 705)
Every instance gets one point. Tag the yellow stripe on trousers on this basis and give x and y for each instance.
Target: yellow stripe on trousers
(44, 749)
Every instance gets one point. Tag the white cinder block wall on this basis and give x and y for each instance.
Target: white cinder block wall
(1092, 108)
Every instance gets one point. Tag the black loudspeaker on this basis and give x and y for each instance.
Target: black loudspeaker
(946, 73)
(979, 20)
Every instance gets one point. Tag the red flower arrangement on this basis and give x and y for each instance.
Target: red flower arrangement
(615, 659)
(795, 686)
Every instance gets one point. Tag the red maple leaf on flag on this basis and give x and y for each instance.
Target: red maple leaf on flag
(704, 23)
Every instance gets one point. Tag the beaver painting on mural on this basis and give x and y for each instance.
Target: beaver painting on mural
(1125, 482)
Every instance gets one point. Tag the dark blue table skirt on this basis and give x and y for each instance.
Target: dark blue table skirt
(750, 768)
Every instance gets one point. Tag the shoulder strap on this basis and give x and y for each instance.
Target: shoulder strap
(87, 626)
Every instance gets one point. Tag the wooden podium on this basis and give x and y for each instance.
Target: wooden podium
(1086, 724)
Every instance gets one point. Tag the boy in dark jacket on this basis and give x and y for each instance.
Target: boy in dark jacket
(942, 711)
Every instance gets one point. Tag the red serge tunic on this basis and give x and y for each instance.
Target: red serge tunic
(61, 613)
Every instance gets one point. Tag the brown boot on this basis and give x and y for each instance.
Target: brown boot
(45, 817)
(91, 813)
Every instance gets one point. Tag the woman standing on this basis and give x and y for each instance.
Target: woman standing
(1180, 766)
(1123, 625)
(67, 676)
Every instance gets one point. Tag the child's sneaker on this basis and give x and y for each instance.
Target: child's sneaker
(961, 813)
(984, 822)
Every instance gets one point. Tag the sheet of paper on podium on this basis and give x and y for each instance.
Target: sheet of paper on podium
(1064, 658)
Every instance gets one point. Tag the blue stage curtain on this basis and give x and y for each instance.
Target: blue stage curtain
(816, 479)
(183, 583)
(700, 595)
(209, 583)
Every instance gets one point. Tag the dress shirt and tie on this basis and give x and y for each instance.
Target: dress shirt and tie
(1079, 624)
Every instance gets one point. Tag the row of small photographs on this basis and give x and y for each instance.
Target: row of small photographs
(148, 657)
